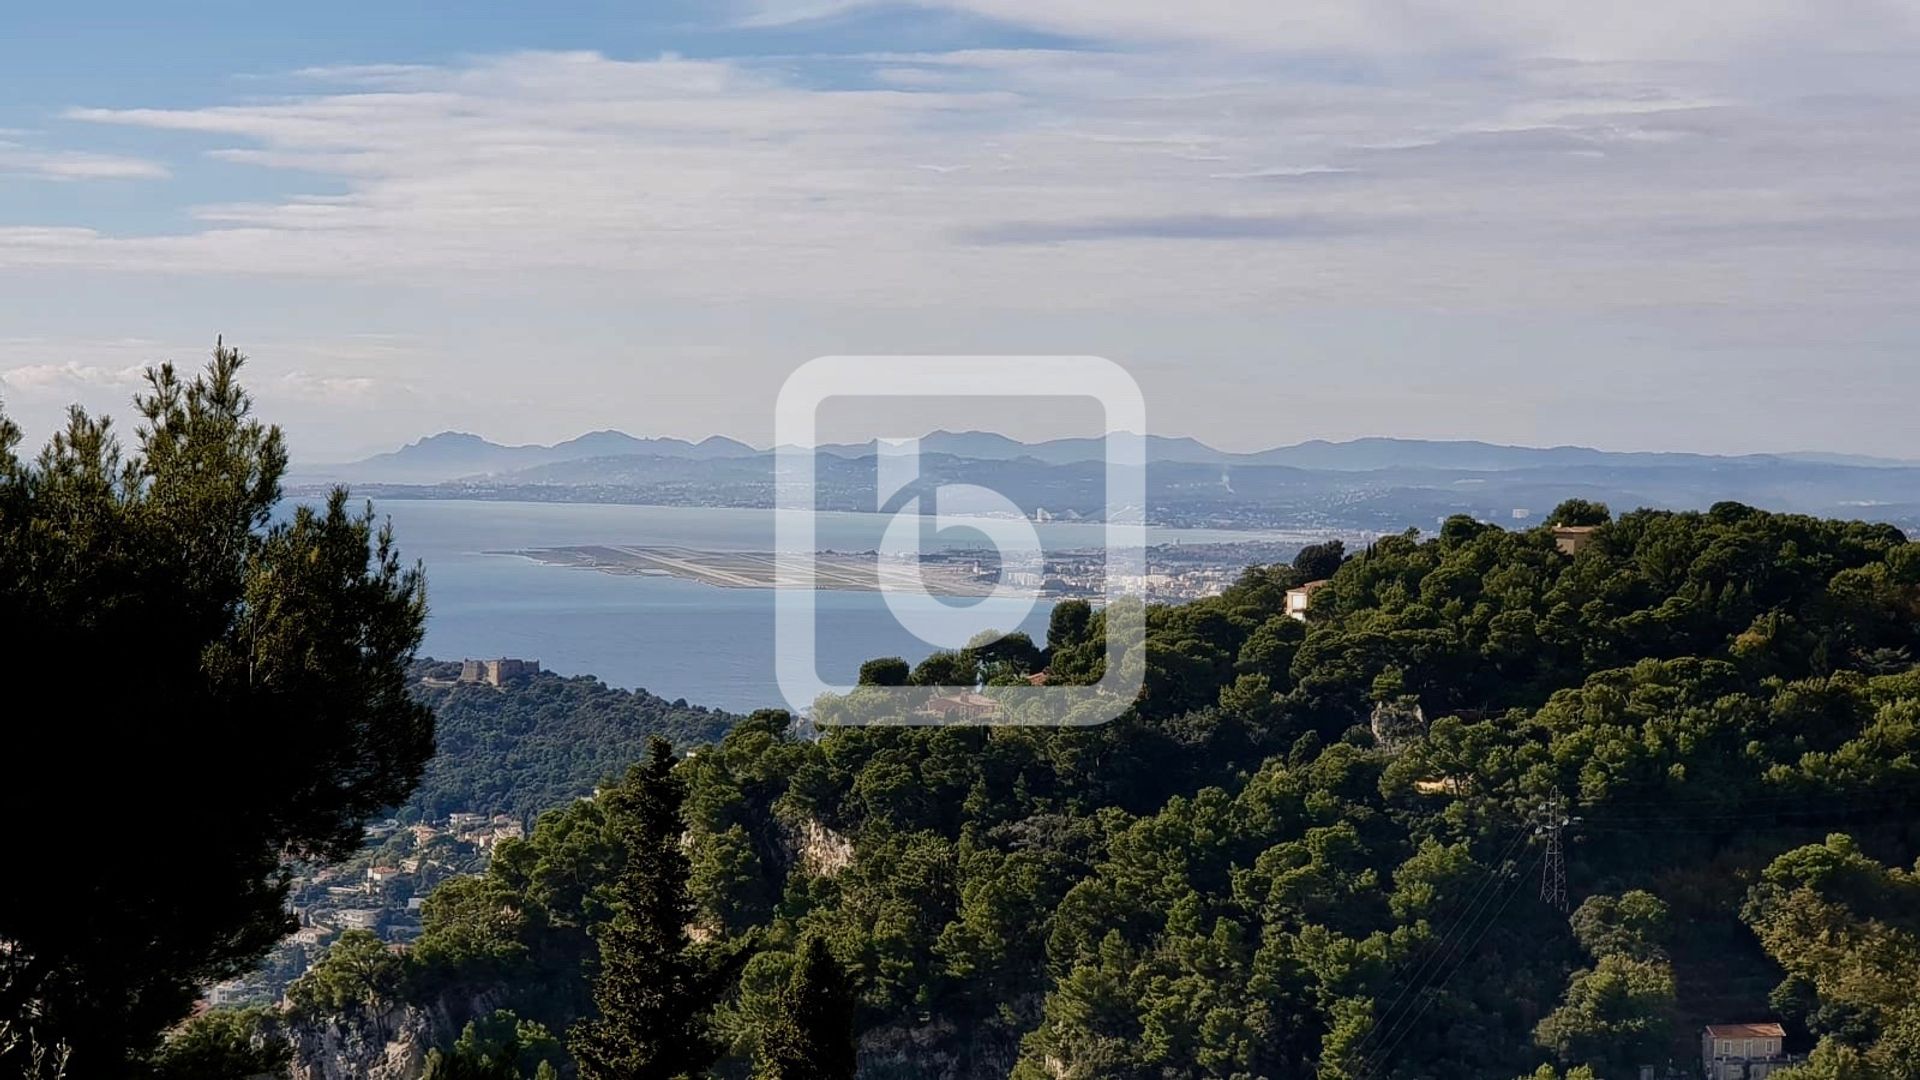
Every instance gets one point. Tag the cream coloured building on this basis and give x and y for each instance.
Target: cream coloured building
(1743, 1051)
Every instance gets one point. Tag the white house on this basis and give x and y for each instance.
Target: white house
(1300, 599)
(1743, 1051)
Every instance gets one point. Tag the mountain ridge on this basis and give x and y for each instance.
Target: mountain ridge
(457, 455)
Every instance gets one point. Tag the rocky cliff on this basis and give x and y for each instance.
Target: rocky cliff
(384, 1043)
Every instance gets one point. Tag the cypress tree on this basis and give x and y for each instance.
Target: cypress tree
(811, 1037)
(654, 995)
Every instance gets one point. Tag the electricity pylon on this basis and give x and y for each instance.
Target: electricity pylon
(1553, 862)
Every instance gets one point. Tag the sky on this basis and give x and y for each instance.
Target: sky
(1682, 224)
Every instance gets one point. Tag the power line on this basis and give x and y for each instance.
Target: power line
(1553, 821)
(1718, 822)
(1408, 1028)
(1554, 891)
(1763, 802)
(1714, 817)
(1495, 871)
(1775, 796)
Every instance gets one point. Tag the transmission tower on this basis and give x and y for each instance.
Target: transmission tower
(1553, 863)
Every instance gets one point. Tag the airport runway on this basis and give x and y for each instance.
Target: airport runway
(863, 571)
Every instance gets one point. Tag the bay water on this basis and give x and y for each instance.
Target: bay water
(676, 638)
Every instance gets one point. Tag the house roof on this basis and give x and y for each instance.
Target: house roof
(1746, 1031)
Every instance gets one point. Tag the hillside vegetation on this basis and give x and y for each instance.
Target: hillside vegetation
(539, 742)
(1315, 850)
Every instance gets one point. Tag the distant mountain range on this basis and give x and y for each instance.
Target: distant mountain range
(455, 456)
(1365, 485)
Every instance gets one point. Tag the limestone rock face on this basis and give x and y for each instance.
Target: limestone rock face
(385, 1044)
(822, 852)
(388, 1043)
(1398, 722)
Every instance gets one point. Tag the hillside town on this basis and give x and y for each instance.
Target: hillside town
(380, 890)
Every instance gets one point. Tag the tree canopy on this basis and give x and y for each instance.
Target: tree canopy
(1313, 849)
(1846, 929)
(228, 675)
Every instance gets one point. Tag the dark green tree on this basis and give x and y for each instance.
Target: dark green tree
(947, 669)
(224, 1044)
(885, 671)
(1580, 512)
(497, 1047)
(452, 1065)
(205, 652)
(1067, 626)
(357, 971)
(1318, 562)
(1619, 1014)
(1004, 653)
(654, 994)
(811, 1035)
(1635, 925)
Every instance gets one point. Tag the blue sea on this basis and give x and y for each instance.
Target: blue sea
(679, 639)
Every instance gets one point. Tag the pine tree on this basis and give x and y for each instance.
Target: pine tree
(654, 993)
(811, 1037)
(179, 636)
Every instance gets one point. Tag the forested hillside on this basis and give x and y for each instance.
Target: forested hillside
(540, 741)
(1315, 850)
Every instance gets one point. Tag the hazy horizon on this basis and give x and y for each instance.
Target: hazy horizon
(765, 447)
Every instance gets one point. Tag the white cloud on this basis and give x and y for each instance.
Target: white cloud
(67, 377)
(1056, 178)
(19, 159)
(319, 388)
(321, 370)
(329, 389)
(1624, 204)
(1569, 29)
